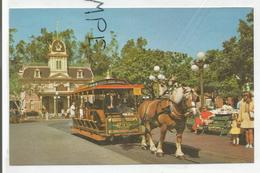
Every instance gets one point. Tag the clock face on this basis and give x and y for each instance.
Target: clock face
(58, 46)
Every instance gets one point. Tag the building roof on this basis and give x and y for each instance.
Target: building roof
(108, 84)
(28, 72)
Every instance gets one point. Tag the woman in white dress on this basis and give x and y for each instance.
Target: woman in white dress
(72, 110)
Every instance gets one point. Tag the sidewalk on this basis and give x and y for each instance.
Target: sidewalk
(212, 148)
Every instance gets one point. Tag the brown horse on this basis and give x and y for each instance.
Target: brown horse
(168, 113)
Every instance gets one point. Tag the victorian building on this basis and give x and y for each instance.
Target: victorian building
(51, 85)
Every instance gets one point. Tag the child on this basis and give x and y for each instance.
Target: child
(235, 129)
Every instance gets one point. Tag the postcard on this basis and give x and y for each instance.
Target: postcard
(144, 86)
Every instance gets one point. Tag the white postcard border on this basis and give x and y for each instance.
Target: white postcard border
(127, 4)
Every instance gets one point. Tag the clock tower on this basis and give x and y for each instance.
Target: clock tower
(58, 59)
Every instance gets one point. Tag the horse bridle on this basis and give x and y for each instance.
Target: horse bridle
(183, 104)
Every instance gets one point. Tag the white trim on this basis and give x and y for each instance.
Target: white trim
(130, 3)
(37, 73)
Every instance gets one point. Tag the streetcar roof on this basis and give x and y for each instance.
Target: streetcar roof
(108, 84)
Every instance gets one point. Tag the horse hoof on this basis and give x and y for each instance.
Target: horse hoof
(159, 154)
(144, 147)
(181, 157)
(153, 152)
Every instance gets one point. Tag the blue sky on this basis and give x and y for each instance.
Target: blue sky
(187, 30)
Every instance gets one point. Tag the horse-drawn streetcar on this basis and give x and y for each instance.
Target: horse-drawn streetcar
(107, 109)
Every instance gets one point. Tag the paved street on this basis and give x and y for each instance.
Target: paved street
(50, 143)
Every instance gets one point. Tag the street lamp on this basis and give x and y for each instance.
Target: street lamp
(199, 65)
(157, 78)
(56, 105)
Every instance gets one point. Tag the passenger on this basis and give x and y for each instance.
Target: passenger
(88, 104)
(81, 112)
(110, 102)
(123, 106)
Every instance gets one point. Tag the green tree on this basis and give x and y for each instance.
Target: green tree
(136, 64)
(112, 49)
(94, 54)
(229, 68)
(14, 63)
(38, 48)
(12, 31)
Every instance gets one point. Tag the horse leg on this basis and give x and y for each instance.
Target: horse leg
(152, 145)
(179, 152)
(150, 139)
(142, 115)
(143, 142)
(163, 130)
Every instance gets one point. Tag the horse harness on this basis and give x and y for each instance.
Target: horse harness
(171, 111)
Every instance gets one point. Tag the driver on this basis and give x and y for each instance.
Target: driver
(110, 102)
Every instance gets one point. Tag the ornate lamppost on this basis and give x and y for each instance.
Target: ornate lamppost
(157, 78)
(199, 65)
(56, 100)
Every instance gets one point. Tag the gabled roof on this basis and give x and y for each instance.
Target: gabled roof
(28, 72)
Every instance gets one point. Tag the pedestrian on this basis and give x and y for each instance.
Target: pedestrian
(235, 129)
(81, 112)
(203, 119)
(23, 116)
(246, 117)
(67, 115)
(43, 111)
(62, 113)
(12, 115)
(239, 99)
(47, 115)
(72, 110)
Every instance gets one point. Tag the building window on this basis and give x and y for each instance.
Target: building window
(58, 64)
(31, 105)
(80, 74)
(37, 73)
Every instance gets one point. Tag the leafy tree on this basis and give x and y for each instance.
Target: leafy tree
(93, 54)
(229, 68)
(15, 83)
(112, 49)
(136, 64)
(12, 31)
(38, 48)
